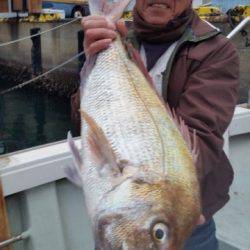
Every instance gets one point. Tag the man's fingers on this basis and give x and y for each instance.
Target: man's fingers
(97, 39)
(121, 27)
(201, 220)
(93, 17)
(93, 35)
(99, 33)
(98, 46)
(99, 23)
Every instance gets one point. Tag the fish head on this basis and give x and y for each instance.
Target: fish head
(145, 212)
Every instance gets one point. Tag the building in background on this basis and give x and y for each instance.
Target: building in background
(32, 6)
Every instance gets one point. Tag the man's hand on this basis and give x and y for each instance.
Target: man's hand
(99, 33)
(201, 220)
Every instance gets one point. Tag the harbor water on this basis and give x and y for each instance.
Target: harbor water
(29, 117)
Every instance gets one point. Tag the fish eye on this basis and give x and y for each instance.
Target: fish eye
(160, 233)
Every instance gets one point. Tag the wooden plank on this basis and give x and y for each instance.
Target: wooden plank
(4, 6)
(17, 5)
(34, 6)
(4, 224)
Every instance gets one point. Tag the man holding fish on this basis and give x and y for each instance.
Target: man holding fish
(195, 70)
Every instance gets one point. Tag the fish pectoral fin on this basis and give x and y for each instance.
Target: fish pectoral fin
(75, 152)
(146, 175)
(100, 146)
(73, 175)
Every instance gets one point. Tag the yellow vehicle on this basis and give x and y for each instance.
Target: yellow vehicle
(208, 11)
(240, 12)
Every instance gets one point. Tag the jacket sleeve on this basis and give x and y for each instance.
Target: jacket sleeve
(208, 102)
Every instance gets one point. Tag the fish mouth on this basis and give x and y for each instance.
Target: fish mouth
(107, 216)
(106, 219)
(102, 223)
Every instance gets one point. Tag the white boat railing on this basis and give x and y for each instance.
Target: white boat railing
(40, 165)
(238, 28)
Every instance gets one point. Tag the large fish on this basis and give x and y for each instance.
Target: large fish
(136, 168)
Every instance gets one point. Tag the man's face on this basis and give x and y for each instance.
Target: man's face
(160, 12)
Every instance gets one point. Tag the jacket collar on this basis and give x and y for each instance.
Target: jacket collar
(199, 31)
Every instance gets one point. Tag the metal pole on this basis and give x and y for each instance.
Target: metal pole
(248, 101)
(9, 6)
(12, 240)
(238, 28)
(82, 58)
(36, 54)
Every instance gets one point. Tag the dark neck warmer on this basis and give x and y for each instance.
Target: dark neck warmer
(162, 33)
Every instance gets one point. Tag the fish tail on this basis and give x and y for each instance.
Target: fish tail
(112, 10)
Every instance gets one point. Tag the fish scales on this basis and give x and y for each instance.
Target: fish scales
(136, 170)
(135, 122)
(113, 98)
(123, 115)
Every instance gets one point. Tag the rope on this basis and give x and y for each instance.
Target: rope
(21, 85)
(39, 33)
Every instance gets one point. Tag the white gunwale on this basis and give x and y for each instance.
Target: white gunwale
(33, 167)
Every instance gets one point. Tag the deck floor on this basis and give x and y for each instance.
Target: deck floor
(233, 221)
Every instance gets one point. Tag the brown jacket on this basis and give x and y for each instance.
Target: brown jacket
(201, 84)
(203, 89)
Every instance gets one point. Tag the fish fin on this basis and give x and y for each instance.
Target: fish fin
(112, 10)
(72, 174)
(190, 138)
(136, 58)
(75, 153)
(96, 6)
(100, 145)
(142, 176)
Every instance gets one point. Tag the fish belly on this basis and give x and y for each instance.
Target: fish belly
(121, 101)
